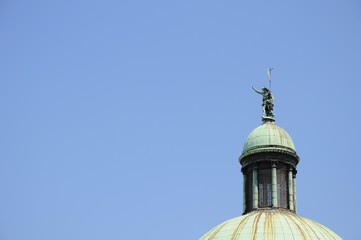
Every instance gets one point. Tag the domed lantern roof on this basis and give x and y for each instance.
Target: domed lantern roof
(268, 137)
(268, 134)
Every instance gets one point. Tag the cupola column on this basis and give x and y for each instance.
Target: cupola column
(294, 192)
(255, 187)
(290, 190)
(244, 193)
(274, 185)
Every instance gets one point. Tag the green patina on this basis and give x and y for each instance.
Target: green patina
(268, 137)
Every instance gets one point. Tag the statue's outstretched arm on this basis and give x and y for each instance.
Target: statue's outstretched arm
(257, 91)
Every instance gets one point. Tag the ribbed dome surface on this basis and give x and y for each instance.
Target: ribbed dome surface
(270, 225)
(268, 136)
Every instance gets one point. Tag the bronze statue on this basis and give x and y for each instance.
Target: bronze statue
(268, 103)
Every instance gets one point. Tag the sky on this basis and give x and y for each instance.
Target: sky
(125, 119)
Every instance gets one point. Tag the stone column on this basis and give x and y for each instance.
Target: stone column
(290, 189)
(294, 192)
(255, 187)
(244, 193)
(274, 185)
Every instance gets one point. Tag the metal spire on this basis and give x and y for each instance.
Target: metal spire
(269, 70)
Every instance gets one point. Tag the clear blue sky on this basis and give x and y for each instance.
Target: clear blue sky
(125, 119)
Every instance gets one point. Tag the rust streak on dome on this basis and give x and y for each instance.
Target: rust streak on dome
(270, 224)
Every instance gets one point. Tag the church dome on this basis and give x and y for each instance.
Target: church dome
(268, 137)
(269, 168)
(270, 225)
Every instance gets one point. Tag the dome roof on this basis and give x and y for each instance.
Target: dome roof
(270, 225)
(268, 137)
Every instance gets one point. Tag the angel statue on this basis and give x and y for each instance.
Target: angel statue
(268, 102)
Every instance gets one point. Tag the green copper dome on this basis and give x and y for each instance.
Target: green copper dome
(270, 225)
(268, 137)
(269, 162)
